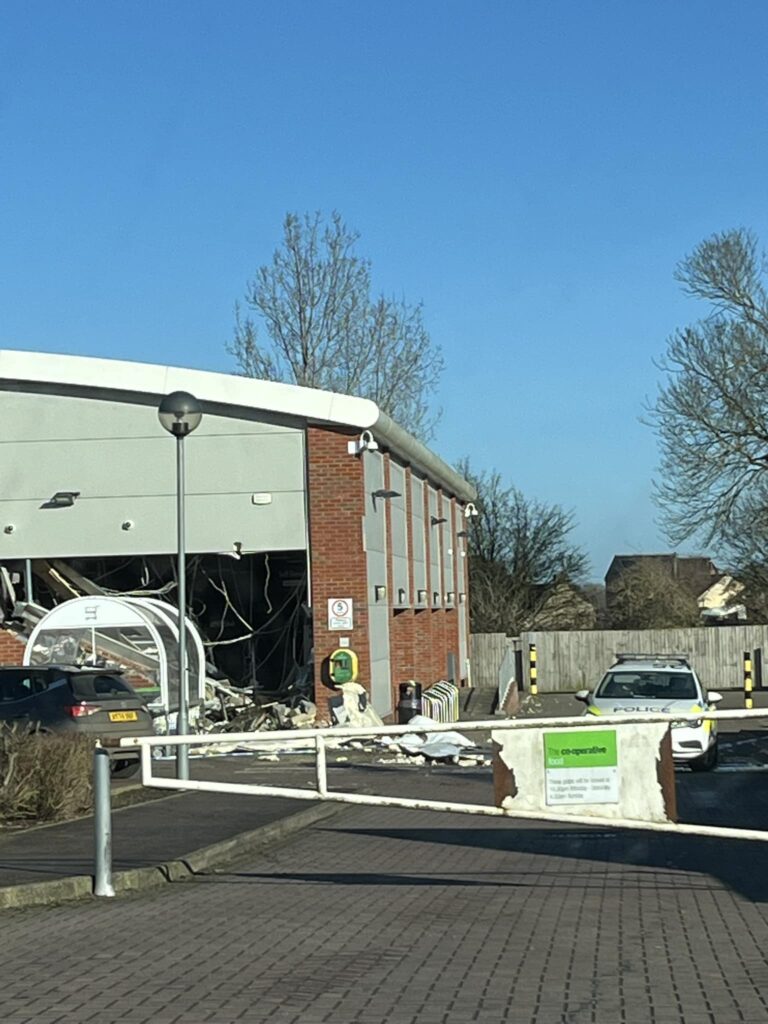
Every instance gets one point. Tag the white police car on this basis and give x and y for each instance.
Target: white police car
(660, 684)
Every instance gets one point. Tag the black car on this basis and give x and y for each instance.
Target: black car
(63, 699)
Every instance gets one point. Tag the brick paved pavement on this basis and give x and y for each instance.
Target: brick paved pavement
(406, 916)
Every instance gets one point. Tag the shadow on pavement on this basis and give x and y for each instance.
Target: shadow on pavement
(737, 864)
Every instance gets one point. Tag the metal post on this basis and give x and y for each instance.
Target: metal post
(747, 680)
(102, 824)
(320, 766)
(532, 670)
(182, 719)
(28, 590)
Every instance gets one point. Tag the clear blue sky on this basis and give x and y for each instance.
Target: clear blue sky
(532, 171)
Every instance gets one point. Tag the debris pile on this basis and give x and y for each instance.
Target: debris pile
(421, 746)
(232, 709)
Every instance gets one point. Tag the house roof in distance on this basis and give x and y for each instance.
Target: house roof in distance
(117, 379)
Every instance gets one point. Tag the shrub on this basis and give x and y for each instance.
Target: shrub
(44, 777)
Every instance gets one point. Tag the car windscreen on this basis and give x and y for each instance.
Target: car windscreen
(651, 685)
(100, 688)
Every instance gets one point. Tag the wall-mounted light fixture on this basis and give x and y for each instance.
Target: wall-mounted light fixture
(384, 493)
(401, 596)
(470, 511)
(462, 598)
(422, 596)
(62, 499)
(435, 597)
(380, 591)
(462, 533)
(450, 597)
(436, 520)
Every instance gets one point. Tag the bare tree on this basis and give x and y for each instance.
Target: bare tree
(711, 413)
(524, 569)
(325, 330)
(647, 597)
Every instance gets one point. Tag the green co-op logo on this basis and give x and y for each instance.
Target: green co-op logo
(580, 750)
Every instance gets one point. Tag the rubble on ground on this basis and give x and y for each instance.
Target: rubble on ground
(421, 746)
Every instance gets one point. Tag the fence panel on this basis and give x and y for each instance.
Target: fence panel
(488, 651)
(573, 660)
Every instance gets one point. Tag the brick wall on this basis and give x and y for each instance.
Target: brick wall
(338, 567)
(420, 641)
(11, 648)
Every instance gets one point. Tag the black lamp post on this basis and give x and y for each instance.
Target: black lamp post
(180, 414)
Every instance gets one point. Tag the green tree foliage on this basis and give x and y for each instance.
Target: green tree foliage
(525, 570)
(647, 597)
(318, 324)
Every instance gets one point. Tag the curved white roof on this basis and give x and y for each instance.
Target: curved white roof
(99, 375)
(104, 378)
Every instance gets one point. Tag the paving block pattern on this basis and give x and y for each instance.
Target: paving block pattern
(410, 917)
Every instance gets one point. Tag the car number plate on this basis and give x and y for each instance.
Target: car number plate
(123, 716)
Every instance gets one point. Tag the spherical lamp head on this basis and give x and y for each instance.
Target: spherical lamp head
(180, 413)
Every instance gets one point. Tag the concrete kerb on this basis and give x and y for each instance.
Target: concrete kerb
(60, 890)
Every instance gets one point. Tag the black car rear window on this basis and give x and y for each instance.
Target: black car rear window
(15, 684)
(100, 687)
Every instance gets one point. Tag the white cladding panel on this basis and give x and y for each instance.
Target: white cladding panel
(124, 465)
(375, 532)
(446, 541)
(418, 560)
(460, 563)
(435, 556)
(398, 515)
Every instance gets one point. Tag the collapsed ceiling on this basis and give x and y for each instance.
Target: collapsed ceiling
(250, 609)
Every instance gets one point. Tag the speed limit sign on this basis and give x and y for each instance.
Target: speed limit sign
(340, 615)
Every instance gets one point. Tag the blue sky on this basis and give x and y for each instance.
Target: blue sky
(532, 171)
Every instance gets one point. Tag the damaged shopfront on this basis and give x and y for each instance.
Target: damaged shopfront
(297, 501)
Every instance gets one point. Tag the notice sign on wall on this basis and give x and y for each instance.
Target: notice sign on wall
(340, 614)
(581, 767)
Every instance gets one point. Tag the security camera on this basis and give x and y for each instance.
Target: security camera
(367, 440)
(364, 443)
(127, 524)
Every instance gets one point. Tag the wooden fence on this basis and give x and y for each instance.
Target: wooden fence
(573, 660)
(487, 651)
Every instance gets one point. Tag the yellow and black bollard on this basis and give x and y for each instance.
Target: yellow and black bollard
(532, 673)
(747, 680)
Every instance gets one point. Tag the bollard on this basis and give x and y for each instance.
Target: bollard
(747, 680)
(532, 671)
(102, 823)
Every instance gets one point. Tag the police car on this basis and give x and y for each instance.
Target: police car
(660, 684)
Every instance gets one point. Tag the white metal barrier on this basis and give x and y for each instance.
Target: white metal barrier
(318, 739)
(441, 702)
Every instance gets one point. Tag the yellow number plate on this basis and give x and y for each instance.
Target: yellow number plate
(123, 716)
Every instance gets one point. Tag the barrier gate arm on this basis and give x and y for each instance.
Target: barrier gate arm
(319, 739)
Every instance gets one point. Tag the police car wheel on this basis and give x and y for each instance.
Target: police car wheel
(707, 761)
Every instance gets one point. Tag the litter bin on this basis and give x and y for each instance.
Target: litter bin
(409, 703)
